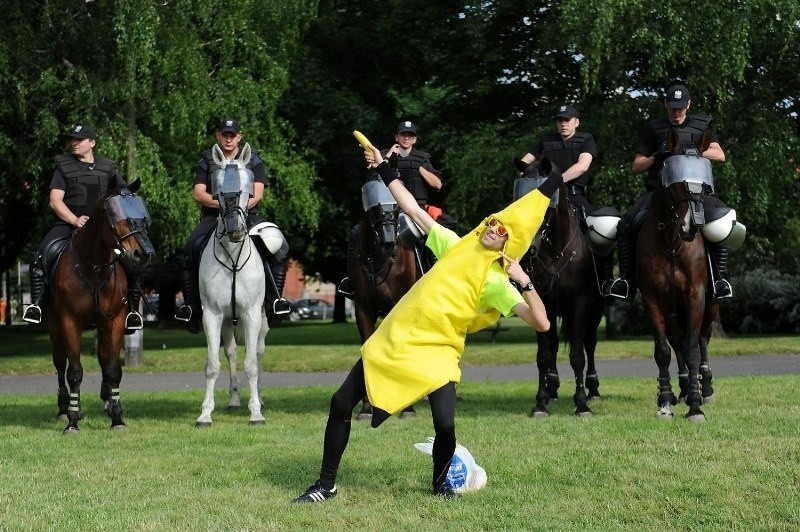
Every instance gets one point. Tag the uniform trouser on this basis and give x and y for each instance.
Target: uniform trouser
(351, 392)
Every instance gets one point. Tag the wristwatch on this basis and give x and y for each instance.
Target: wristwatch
(528, 287)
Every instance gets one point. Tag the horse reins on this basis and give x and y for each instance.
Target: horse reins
(235, 267)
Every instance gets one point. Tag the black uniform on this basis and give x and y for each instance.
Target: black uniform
(564, 153)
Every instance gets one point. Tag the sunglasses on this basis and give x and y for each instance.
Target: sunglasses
(498, 227)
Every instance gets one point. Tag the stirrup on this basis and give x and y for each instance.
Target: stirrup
(184, 313)
(133, 322)
(619, 289)
(346, 288)
(33, 314)
(722, 290)
(281, 307)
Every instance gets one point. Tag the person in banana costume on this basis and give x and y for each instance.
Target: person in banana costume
(416, 350)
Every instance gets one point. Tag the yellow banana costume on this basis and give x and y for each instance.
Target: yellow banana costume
(417, 348)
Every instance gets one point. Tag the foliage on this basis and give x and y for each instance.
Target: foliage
(155, 78)
(767, 302)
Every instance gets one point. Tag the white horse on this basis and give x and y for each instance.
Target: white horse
(232, 287)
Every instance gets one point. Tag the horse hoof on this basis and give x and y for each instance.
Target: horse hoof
(62, 417)
(710, 399)
(585, 413)
(121, 426)
(696, 418)
(202, 424)
(258, 422)
(539, 414)
(665, 414)
(71, 431)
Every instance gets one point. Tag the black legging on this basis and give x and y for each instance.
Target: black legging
(351, 392)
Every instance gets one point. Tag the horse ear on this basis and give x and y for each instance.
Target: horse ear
(246, 153)
(673, 144)
(134, 185)
(218, 156)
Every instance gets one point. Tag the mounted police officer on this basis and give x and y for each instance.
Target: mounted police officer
(80, 179)
(573, 151)
(229, 135)
(650, 157)
(416, 171)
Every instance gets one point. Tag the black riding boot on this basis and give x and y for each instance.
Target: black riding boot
(605, 271)
(34, 312)
(722, 288)
(278, 269)
(190, 311)
(623, 287)
(346, 287)
(133, 321)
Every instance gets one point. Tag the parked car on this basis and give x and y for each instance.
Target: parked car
(310, 309)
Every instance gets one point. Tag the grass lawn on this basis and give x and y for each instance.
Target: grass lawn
(622, 469)
(325, 346)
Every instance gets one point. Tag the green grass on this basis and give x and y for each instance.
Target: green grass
(324, 346)
(623, 469)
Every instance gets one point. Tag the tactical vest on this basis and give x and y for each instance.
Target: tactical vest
(408, 169)
(564, 153)
(85, 184)
(207, 163)
(689, 133)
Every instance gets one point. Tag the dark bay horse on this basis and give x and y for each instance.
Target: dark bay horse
(89, 288)
(561, 267)
(672, 273)
(386, 263)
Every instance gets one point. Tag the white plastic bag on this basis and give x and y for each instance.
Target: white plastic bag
(464, 473)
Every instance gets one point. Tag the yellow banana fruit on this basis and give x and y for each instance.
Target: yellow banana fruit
(364, 141)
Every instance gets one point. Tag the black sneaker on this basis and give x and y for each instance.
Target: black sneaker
(445, 492)
(316, 493)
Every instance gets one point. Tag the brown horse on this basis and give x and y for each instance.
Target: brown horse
(672, 272)
(89, 288)
(562, 269)
(386, 263)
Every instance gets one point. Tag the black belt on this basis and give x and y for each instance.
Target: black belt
(575, 190)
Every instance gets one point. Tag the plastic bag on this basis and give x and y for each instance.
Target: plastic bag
(464, 473)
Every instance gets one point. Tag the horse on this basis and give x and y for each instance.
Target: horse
(89, 288)
(233, 288)
(673, 278)
(387, 265)
(561, 267)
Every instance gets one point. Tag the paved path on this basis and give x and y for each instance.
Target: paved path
(722, 367)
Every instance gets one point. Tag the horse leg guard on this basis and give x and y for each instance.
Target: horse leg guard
(579, 397)
(73, 413)
(134, 321)
(666, 399)
(114, 410)
(694, 399)
(722, 287)
(553, 382)
(346, 287)
(683, 383)
(63, 403)
(706, 389)
(593, 385)
(34, 312)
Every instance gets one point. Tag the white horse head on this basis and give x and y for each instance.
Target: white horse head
(232, 185)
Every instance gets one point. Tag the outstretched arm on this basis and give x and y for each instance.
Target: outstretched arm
(405, 200)
(532, 311)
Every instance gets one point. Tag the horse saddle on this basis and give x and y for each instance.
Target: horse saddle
(52, 254)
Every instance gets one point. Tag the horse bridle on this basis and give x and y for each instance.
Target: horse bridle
(533, 255)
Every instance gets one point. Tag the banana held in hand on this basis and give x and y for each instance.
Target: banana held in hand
(364, 141)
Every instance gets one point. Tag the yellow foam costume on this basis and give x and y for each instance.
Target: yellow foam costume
(418, 346)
